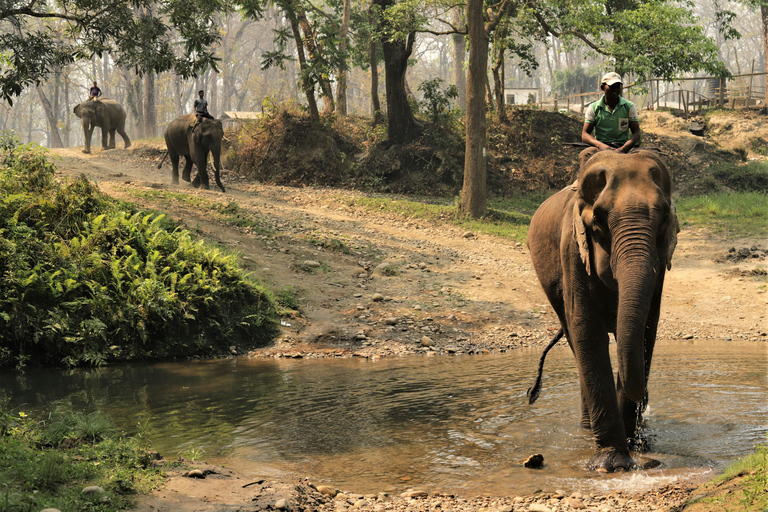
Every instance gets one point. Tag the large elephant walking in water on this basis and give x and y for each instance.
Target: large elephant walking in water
(601, 248)
(195, 142)
(108, 115)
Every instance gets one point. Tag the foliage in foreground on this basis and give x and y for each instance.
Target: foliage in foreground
(46, 463)
(86, 280)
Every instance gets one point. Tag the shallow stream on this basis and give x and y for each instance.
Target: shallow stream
(455, 424)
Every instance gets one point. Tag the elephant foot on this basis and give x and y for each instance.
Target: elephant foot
(87, 151)
(128, 145)
(608, 460)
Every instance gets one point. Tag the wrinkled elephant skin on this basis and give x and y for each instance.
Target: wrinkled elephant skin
(108, 115)
(600, 248)
(194, 144)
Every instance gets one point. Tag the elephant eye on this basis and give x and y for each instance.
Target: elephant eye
(599, 218)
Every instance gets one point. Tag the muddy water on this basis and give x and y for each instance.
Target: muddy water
(456, 424)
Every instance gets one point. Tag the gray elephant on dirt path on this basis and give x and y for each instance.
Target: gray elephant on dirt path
(600, 248)
(194, 144)
(108, 115)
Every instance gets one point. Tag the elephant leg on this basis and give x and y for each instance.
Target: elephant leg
(586, 423)
(112, 138)
(175, 165)
(590, 343)
(201, 161)
(126, 138)
(104, 138)
(187, 168)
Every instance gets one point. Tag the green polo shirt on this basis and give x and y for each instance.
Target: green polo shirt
(611, 126)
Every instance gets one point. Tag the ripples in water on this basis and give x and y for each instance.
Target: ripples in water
(458, 424)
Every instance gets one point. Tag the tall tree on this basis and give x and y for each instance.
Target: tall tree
(54, 139)
(341, 87)
(459, 54)
(473, 197)
(398, 36)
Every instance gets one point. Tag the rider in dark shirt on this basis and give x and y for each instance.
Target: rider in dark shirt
(95, 92)
(201, 108)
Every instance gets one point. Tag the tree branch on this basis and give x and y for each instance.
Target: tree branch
(27, 11)
(325, 15)
(558, 33)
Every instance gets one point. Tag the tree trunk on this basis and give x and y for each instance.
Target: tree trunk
(374, 58)
(310, 40)
(136, 104)
(54, 140)
(764, 16)
(402, 126)
(341, 87)
(489, 91)
(215, 94)
(67, 117)
(150, 112)
(499, 36)
(473, 194)
(459, 55)
(306, 86)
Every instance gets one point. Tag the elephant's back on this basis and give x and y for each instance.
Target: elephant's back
(180, 123)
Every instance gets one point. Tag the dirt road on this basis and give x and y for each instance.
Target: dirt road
(374, 284)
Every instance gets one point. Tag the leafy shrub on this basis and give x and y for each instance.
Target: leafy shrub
(87, 280)
(436, 98)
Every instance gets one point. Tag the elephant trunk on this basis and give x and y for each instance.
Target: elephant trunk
(636, 267)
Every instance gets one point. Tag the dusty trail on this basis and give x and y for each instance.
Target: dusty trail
(450, 293)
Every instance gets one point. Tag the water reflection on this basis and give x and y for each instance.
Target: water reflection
(457, 424)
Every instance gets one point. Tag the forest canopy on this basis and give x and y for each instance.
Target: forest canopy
(37, 37)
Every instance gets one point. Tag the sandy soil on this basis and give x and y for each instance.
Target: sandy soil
(451, 292)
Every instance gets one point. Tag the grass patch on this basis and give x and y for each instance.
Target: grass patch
(231, 213)
(506, 218)
(46, 462)
(287, 297)
(755, 485)
(736, 214)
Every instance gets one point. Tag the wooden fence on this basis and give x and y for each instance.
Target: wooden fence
(687, 95)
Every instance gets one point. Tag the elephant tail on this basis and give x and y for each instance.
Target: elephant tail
(163, 160)
(533, 391)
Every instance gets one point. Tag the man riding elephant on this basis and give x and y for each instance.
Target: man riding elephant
(184, 136)
(612, 121)
(108, 115)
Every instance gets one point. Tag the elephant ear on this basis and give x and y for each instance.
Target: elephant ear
(585, 155)
(197, 133)
(670, 239)
(580, 235)
(77, 109)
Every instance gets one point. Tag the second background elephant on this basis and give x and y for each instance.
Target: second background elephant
(183, 138)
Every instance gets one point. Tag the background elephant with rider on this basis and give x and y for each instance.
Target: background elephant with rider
(600, 248)
(108, 115)
(194, 141)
